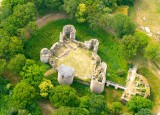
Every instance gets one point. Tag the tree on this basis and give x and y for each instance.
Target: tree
(130, 45)
(152, 51)
(70, 111)
(32, 73)
(3, 83)
(21, 15)
(24, 14)
(24, 95)
(126, 2)
(144, 112)
(64, 95)
(97, 105)
(81, 13)
(142, 40)
(10, 46)
(123, 25)
(84, 102)
(48, 5)
(137, 103)
(116, 108)
(3, 65)
(45, 87)
(70, 6)
(16, 63)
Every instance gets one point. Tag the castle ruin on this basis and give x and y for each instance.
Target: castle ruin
(72, 58)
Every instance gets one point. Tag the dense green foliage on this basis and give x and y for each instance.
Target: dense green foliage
(45, 87)
(144, 112)
(24, 95)
(64, 95)
(3, 65)
(32, 73)
(137, 103)
(3, 83)
(125, 2)
(16, 63)
(10, 46)
(152, 51)
(134, 44)
(116, 108)
(95, 104)
(122, 25)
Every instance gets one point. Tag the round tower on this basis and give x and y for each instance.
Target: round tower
(65, 74)
(97, 84)
(45, 55)
(98, 79)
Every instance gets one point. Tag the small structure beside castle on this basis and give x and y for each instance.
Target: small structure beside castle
(74, 59)
(135, 85)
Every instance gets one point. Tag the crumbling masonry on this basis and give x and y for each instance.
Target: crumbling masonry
(65, 72)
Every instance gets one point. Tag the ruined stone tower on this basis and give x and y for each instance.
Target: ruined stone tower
(98, 79)
(65, 74)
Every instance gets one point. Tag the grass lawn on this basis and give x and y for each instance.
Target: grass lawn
(155, 87)
(109, 49)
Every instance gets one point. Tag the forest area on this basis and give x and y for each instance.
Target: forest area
(23, 84)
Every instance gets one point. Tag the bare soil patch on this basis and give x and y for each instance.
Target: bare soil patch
(48, 18)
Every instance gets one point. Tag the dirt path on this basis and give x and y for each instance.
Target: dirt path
(46, 108)
(48, 18)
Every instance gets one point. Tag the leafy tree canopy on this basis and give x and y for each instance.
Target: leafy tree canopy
(16, 63)
(144, 112)
(116, 108)
(64, 95)
(10, 46)
(32, 73)
(97, 105)
(137, 103)
(123, 25)
(152, 51)
(45, 87)
(3, 65)
(24, 95)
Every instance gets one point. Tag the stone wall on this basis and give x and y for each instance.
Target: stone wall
(68, 35)
(92, 44)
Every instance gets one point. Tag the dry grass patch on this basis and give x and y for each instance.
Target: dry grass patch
(122, 10)
(148, 9)
(49, 72)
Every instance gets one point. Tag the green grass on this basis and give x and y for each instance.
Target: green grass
(154, 83)
(109, 49)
